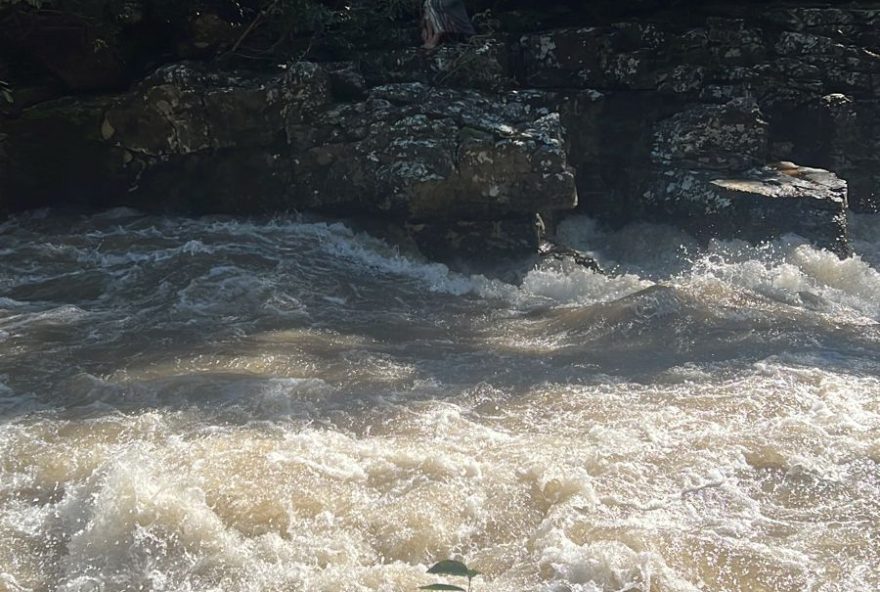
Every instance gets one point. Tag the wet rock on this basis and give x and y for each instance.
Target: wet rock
(197, 139)
(758, 205)
(486, 240)
(554, 254)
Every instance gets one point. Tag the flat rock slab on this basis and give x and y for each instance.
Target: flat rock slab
(760, 204)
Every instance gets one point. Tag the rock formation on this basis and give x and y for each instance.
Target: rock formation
(671, 114)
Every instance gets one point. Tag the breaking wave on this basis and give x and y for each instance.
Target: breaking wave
(221, 404)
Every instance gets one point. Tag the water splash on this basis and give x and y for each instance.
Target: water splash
(220, 404)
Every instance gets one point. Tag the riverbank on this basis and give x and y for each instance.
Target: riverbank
(728, 120)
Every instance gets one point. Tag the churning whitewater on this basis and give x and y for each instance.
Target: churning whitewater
(220, 405)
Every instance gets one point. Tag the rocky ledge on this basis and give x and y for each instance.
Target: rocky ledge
(436, 161)
(692, 117)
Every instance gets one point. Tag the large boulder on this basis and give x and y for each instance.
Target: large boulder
(758, 204)
(188, 108)
(55, 155)
(410, 151)
(731, 137)
(191, 138)
(421, 153)
(708, 175)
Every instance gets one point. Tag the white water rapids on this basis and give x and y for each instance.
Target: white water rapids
(220, 405)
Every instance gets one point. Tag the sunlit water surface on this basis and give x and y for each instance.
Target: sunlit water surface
(228, 405)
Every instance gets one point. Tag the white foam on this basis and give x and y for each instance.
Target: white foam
(787, 270)
(283, 439)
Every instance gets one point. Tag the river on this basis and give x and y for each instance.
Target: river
(285, 405)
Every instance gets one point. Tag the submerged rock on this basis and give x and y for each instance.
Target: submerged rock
(554, 253)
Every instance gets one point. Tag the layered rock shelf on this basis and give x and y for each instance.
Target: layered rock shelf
(730, 121)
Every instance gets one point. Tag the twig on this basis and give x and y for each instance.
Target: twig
(252, 26)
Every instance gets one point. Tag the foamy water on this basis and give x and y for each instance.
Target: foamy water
(281, 405)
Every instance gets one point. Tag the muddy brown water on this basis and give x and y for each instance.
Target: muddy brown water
(222, 405)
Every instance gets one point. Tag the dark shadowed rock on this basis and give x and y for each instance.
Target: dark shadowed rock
(347, 82)
(421, 153)
(188, 109)
(477, 240)
(454, 163)
(408, 150)
(731, 137)
(624, 55)
(553, 254)
(56, 155)
(479, 64)
(208, 33)
(842, 134)
(4, 173)
(68, 45)
(636, 111)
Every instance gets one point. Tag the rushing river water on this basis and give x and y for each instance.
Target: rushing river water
(227, 405)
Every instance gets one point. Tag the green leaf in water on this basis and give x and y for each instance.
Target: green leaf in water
(449, 567)
(442, 587)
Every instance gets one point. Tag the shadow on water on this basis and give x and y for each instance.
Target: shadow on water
(256, 322)
(315, 370)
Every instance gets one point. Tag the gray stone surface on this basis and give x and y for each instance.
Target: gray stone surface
(667, 116)
(812, 73)
(409, 150)
(196, 139)
(757, 204)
